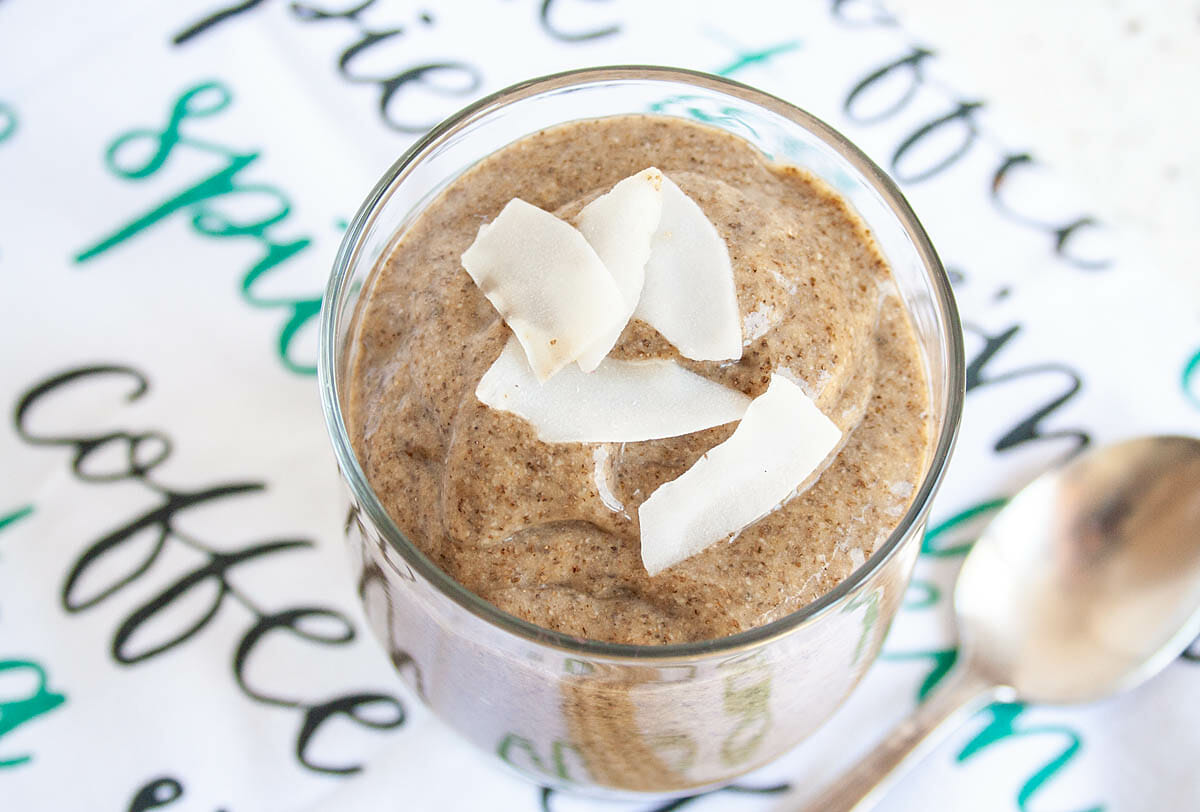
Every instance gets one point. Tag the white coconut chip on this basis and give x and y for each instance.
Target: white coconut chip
(688, 294)
(783, 437)
(620, 402)
(546, 282)
(619, 225)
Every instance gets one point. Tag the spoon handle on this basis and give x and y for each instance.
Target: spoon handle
(961, 693)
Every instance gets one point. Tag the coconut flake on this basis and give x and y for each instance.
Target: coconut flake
(619, 225)
(689, 295)
(621, 401)
(783, 437)
(546, 282)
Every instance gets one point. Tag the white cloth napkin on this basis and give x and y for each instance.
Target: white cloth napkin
(177, 626)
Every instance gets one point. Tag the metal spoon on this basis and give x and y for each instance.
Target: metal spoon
(1086, 584)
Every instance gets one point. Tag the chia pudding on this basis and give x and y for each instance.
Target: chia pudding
(549, 531)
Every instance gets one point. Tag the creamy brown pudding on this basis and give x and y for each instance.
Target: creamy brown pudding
(549, 531)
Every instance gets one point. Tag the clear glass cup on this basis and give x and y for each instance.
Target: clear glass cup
(596, 717)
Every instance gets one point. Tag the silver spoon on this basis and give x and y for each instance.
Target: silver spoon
(1086, 584)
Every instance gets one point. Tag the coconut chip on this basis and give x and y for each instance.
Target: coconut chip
(620, 402)
(689, 294)
(547, 283)
(619, 226)
(782, 439)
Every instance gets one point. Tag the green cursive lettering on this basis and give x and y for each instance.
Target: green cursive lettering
(8, 122)
(745, 59)
(940, 660)
(870, 616)
(558, 755)
(921, 594)
(747, 695)
(16, 516)
(16, 712)
(1190, 379)
(200, 202)
(931, 545)
(1002, 724)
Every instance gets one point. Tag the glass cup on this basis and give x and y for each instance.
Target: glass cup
(603, 718)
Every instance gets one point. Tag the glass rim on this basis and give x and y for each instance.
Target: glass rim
(366, 497)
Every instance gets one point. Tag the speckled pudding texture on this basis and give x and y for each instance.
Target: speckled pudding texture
(549, 532)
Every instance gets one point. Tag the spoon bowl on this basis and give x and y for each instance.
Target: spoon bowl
(1087, 583)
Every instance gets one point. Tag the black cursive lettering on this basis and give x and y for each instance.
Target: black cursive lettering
(372, 577)
(158, 520)
(1062, 234)
(958, 125)
(900, 84)
(289, 621)
(156, 794)
(216, 569)
(216, 18)
(679, 803)
(155, 626)
(1030, 427)
(449, 79)
(546, 13)
(355, 707)
(904, 73)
